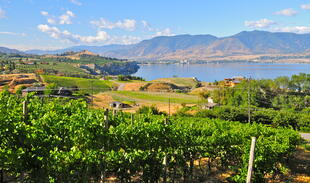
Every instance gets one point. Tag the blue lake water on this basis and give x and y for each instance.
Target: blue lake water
(218, 71)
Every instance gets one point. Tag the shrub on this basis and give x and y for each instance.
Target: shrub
(20, 89)
(150, 110)
(51, 89)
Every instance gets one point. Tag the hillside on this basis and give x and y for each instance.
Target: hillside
(204, 47)
(95, 49)
(10, 51)
(75, 64)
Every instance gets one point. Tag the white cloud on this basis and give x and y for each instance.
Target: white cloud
(156, 32)
(76, 2)
(44, 13)
(101, 37)
(165, 32)
(305, 6)
(295, 29)
(70, 13)
(286, 12)
(66, 18)
(147, 26)
(263, 23)
(2, 13)
(125, 39)
(127, 24)
(51, 21)
(13, 33)
(62, 19)
(55, 33)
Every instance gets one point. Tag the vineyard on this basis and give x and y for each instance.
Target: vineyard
(57, 140)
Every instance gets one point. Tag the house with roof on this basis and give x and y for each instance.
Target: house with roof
(231, 82)
(118, 105)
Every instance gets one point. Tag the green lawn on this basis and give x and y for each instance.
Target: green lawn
(154, 96)
(84, 84)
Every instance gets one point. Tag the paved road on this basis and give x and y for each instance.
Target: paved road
(305, 136)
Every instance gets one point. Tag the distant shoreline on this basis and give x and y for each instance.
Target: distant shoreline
(221, 62)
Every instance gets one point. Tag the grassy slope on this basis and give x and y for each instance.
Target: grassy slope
(85, 84)
(61, 67)
(190, 82)
(154, 96)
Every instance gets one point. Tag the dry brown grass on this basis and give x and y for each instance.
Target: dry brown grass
(102, 100)
(14, 81)
(302, 179)
(21, 81)
(75, 56)
(158, 87)
(133, 86)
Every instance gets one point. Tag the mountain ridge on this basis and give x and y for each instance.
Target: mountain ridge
(10, 51)
(202, 46)
(243, 43)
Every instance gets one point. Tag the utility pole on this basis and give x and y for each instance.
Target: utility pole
(249, 100)
(169, 105)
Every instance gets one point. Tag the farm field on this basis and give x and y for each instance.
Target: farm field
(86, 85)
(73, 64)
(157, 96)
(72, 142)
(224, 132)
(60, 67)
(137, 99)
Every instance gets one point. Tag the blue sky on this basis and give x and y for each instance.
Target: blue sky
(51, 24)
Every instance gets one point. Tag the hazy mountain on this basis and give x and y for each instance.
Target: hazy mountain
(162, 45)
(202, 46)
(95, 49)
(278, 42)
(9, 51)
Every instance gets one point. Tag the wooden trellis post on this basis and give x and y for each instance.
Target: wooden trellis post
(25, 110)
(1, 176)
(132, 118)
(165, 159)
(251, 160)
(106, 119)
(165, 169)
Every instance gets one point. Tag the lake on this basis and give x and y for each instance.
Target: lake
(218, 71)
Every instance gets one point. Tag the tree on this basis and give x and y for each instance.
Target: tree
(204, 94)
(121, 78)
(283, 82)
(51, 89)
(19, 90)
(300, 82)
